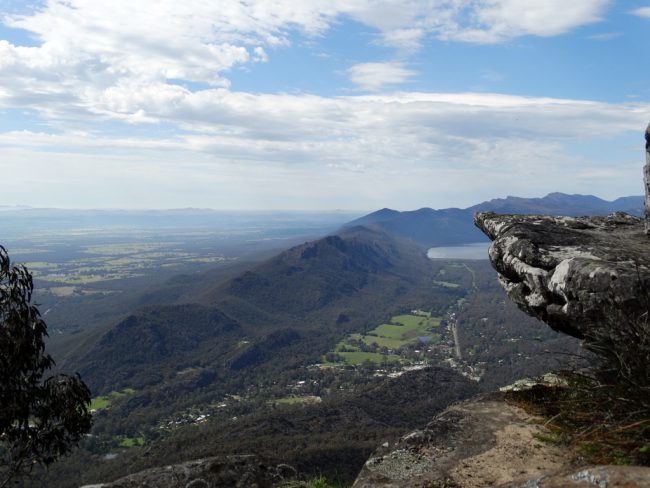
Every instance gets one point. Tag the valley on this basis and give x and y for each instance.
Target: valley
(311, 355)
(347, 407)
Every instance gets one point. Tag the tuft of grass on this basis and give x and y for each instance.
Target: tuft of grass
(604, 411)
(318, 482)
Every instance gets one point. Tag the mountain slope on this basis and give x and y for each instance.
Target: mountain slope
(562, 204)
(310, 277)
(300, 302)
(453, 226)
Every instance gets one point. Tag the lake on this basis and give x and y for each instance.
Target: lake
(476, 250)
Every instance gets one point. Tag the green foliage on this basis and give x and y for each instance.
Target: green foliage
(40, 420)
(358, 357)
(318, 482)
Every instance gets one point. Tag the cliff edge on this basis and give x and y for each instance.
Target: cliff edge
(588, 277)
(573, 273)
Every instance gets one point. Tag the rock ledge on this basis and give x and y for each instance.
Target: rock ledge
(571, 272)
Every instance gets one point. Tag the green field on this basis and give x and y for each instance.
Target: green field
(100, 403)
(114, 262)
(358, 357)
(103, 402)
(293, 400)
(383, 341)
(416, 322)
(132, 441)
(402, 330)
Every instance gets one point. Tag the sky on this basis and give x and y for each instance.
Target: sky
(320, 104)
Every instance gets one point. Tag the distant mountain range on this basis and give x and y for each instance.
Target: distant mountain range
(453, 226)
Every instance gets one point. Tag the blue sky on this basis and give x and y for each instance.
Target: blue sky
(319, 105)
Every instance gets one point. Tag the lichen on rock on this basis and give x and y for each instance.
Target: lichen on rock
(483, 442)
(571, 272)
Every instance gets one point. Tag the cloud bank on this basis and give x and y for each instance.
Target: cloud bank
(135, 101)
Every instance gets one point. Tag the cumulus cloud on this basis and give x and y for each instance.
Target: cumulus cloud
(91, 53)
(375, 76)
(165, 64)
(498, 20)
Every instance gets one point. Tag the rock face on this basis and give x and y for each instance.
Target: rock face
(571, 272)
(484, 442)
(216, 472)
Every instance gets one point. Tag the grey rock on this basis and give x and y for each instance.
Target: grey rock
(574, 273)
(470, 444)
(592, 477)
(215, 472)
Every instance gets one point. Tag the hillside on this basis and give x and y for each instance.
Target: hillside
(301, 301)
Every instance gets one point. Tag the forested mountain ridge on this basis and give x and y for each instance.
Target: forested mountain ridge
(304, 299)
(452, 226)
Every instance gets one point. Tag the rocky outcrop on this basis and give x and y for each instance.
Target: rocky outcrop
(484, 442)
(571, 272)
(488, 442)
(216, 472)
(591, 477)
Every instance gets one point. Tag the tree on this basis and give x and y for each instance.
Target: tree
(40, 419)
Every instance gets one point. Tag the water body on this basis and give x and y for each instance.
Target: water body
(476, 250)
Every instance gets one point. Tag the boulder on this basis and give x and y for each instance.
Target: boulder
(574, 273)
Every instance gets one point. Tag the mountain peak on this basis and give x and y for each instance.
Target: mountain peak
(453, 226)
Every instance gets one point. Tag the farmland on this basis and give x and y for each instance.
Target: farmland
(91, 267)
(101, 263)
(104, 402)
(382, 343)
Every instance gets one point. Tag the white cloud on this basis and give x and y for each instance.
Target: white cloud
(482, 135)
(375, 76)
(492, 21)
(641, 12)
(93, 52)
(404, 24)
(260, 55)
(164, 64)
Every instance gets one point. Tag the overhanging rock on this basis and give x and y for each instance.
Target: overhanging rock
(571, 272)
